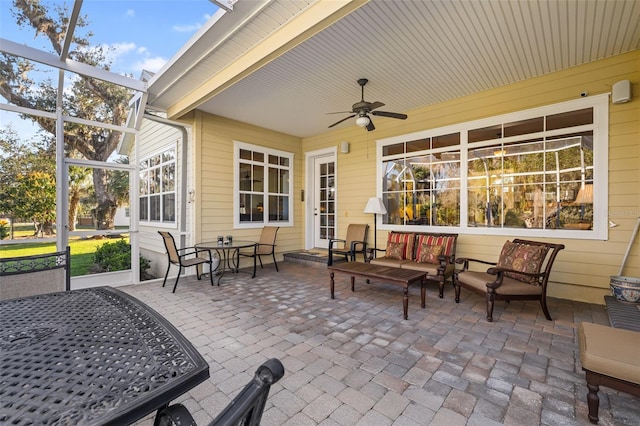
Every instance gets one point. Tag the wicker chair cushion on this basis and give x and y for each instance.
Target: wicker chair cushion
(522, 257)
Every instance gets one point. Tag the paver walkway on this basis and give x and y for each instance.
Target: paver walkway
(355, 361)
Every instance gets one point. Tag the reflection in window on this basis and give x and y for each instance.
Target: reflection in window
(423, 189)
(157, 188)
(263, 185)
(535, 173)
(534, 184)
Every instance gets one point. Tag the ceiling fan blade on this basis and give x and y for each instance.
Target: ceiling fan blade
(344, 119)
(340, 112)
(375, 105)
(390, 114)
(370, 126)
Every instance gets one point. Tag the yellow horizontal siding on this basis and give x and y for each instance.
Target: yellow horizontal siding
(582, 271)
(214, 139)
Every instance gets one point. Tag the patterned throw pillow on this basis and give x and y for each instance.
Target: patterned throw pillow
(395, 250)
(522, 257)
(429, 254)
(400, 237)
(447, 243)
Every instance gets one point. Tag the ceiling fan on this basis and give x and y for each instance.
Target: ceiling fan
(363, 108)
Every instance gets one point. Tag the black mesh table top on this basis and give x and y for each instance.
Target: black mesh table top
(90, 357)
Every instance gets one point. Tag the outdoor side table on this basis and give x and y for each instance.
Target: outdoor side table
(90, 357)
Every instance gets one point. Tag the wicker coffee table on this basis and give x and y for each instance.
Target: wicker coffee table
(400, 277)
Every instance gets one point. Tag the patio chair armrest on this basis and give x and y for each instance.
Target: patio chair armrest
(466, 260)
(337, 240)
(370, 253)
(193, 251)
(176, 415)
(185, 251)
(354, 245)
(498, 270)
(444, 260)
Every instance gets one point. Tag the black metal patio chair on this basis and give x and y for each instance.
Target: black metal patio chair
(245, 409)
(185, 257)
(38, 274)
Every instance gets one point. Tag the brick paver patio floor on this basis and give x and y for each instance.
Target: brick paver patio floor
(355, 361)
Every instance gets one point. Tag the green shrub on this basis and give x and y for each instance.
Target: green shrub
(4, 229)
(116, 256)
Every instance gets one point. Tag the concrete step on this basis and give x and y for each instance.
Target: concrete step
(313, 258)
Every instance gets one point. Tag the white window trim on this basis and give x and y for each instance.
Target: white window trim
(600, 128)
(237, 146)
(161, 224)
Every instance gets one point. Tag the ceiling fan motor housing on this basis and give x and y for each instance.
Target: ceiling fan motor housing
(363, 108)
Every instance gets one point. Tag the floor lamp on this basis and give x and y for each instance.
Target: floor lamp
(375, 206)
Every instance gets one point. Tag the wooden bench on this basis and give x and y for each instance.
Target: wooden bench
(610, 357)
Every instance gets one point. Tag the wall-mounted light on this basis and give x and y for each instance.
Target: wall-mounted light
(344, 147)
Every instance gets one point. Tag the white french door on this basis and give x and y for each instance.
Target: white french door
(324, 200)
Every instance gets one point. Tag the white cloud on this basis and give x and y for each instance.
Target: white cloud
(124, 47)
(130, 13)
(150, 64)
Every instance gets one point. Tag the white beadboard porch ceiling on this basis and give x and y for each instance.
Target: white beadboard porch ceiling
(414, 53)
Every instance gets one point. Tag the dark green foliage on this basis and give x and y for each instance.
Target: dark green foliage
(116, 256)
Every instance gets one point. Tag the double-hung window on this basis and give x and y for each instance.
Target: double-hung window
(526, 173)
(158, 188)
(262, 186)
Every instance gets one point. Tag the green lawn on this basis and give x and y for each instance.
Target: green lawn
(81, 252)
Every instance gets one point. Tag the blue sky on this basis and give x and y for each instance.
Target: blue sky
(147, 33)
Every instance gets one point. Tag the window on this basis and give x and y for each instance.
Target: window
(158, 188)
(525, 173)
(262, 186)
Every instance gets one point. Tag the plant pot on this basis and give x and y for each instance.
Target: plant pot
(625, 289)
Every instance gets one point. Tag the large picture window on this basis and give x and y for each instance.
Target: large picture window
(158, 188)
(262, 186)
(533, 171)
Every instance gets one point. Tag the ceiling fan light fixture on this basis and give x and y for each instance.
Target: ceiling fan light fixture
(363, 121)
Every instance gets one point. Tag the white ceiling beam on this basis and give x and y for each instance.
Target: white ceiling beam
(20, 50)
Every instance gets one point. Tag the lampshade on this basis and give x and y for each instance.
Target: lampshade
(585, 194)
(363, 121)
(375, 205)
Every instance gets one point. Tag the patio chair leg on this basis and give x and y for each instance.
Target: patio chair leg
(490, 303)
(211, 271)
(274, 261)
(543, 303)
(177, 278)
(593, 402)
(166, 275)
(254, 265)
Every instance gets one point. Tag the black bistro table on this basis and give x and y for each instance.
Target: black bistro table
(90, 357)
(228, 254)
